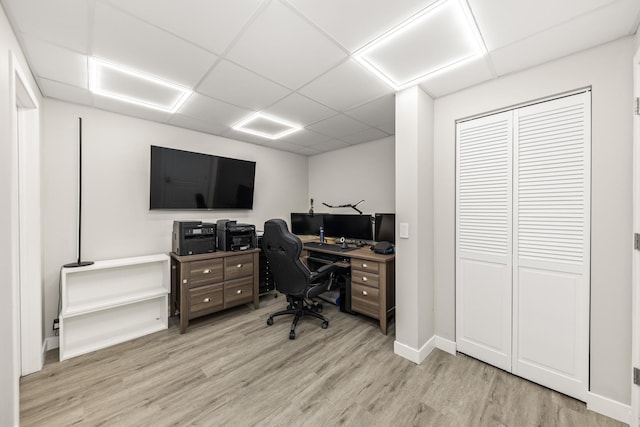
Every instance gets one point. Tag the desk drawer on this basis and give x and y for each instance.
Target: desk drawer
(238, 266)
(238, 292)
(206, 299)
(365, 300)
(364, 265)
(205, 272)
(365, 278)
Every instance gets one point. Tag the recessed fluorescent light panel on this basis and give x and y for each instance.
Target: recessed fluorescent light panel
(130, 86)
(266, 126)
(438, 38)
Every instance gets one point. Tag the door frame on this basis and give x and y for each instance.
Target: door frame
(635, 265)
(27, 283)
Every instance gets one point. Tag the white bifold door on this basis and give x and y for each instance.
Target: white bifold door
(522, 241)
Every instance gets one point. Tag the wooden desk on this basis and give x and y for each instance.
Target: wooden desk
(373, 290)
(207, 283)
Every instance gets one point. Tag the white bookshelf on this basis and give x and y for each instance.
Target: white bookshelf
(112, 301)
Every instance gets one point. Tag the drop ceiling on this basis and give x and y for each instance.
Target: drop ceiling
(293, 60)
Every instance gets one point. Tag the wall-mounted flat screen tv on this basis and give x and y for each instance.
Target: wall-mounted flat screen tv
(186, 180)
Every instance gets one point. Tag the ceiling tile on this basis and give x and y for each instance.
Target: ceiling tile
(300, 109)
(306, 138)
(198, 125)
(338, 126)
(211, 24)
(233, 84)
(147, 49)
(307, 151)
(336, 88)
(56, 63)
(576, 35)
(285, 48)
(206, 109)
(332, 144)
(370, 134)
(380, 113)
(283, 145)
(64, 92)
(504, 22)
(59, 22)
(354, 23)
(468, 74)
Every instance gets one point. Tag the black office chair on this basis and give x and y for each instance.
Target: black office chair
(291, 276)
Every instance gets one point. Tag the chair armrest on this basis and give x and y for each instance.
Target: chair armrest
(323, 271)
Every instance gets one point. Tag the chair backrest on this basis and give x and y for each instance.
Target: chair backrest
(282, 248)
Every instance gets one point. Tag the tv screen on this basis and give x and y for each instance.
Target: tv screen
(306, 225)
(348, 226)
(186, 180)
(385, 229)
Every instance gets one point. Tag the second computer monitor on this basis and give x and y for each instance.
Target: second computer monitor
(385, 227)
(356, 227)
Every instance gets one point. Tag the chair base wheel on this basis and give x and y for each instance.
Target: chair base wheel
(325, 325)
(270, 321)
(292, 335)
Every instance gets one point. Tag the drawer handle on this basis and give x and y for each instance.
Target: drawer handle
(206, 300)
(365, 293)
(207, 271)
(364, 278)
(239, 265)
(364, 265)
(239, 291)
(184, 280)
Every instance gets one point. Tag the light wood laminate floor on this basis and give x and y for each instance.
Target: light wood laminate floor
(231, 369)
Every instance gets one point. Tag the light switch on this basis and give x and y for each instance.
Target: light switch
(404, 230)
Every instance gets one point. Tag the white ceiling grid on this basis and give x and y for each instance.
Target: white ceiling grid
(292, 58)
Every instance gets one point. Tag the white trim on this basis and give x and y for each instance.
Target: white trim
(635, 255)
(610, 408)
(25, 122)
(446, 345)
(414, 355)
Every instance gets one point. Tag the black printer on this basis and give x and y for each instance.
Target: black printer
(193, 237)
(235, 237)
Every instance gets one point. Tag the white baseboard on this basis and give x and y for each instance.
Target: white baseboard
(412, 354)
(610, 408)
(52, 342)
(446, 345)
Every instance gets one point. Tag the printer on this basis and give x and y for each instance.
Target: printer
(193, 237)
(235, 237)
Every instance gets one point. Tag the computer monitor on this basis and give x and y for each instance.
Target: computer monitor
(357, 227)
(306, 225)
(385, 227)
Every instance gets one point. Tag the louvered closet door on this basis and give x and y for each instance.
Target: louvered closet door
(551, 243)
(484, 235)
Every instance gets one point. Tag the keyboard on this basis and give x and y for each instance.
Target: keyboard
(328, 246)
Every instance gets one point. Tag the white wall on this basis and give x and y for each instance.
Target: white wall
(414, 206)
(364, 171)
(607, 69)
(9, 366)
(116, 218)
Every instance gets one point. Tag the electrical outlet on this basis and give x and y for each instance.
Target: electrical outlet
(56, 324)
